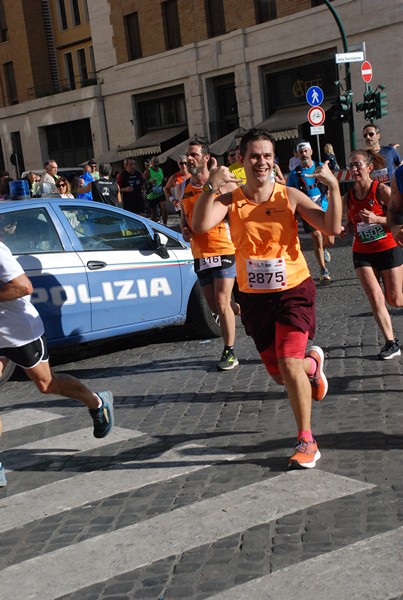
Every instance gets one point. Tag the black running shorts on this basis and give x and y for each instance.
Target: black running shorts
(29, 355)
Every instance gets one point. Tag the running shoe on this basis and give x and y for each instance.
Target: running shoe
(324, 275)
(326, 255)
(103, 416)
(306, 455)
(390, 349)
(318, 381)
(228, 361)
(3, 480)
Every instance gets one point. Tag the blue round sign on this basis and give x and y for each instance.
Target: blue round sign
(314, 96)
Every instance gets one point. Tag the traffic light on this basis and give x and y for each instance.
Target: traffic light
(381, 104)
(343, 106)
(369, 105)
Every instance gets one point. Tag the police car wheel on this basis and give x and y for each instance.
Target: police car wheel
(7, 372)
(203, 321)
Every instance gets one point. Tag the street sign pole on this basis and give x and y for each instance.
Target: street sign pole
(318, 146)
(348, 72)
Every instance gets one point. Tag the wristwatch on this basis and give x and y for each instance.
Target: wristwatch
(208, 188)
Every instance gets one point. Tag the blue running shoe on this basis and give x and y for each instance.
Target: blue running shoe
(103, 416)
(3, 480)
(324, 275)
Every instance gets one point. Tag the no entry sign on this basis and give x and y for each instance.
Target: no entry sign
(366, 71)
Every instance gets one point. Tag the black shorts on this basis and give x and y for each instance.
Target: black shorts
(29, 355)
(381, 261)
(295, 307)
(154, 202)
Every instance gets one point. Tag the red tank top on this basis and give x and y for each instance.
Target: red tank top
(369, 237)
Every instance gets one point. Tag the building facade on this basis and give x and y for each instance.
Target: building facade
(109, 78)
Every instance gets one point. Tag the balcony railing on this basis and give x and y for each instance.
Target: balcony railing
(63, 85)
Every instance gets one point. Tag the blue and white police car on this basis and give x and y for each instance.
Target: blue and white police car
(100, 272)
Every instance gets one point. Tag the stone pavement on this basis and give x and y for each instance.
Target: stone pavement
(190, 497)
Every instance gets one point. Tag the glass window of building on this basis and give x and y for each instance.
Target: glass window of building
(11, 86)
(266, 10)
(61, 6)
(3, 23)
(82, 65)
(75, 12)
(215, 17)
(133, 40)
(171, 24)
(70, 81)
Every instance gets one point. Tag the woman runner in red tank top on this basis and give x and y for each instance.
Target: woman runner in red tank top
(375, 252)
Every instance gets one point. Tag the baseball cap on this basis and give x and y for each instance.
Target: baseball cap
(302, 145)
(92, 162)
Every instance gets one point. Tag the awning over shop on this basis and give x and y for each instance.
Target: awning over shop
(175, 152)
(109, 156)
(227, 142)
(284, 123)
(151, 142)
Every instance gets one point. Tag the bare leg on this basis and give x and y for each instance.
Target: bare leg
(318, 248)
(60, 384)
(392, 283)
(293, 371)
(164, 212)
(222, 292)
(374, 292)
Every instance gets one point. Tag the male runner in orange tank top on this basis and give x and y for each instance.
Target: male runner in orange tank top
(277, 293)
(213, 252)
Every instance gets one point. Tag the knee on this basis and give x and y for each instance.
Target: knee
(46, 386)
(290, 367)
(223, 302)
(395, 300)
(317, 238)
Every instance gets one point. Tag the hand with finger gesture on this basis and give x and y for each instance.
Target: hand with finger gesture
(323, 174)
(221, 177)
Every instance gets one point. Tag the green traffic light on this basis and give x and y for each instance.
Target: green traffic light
(381, 104)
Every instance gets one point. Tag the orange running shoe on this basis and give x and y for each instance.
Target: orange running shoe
(318, 380)
(306, 455)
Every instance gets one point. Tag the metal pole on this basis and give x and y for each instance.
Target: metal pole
(318, 145)
(348, 73)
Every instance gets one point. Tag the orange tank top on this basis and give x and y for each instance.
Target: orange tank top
(217, 241)
(268, 252)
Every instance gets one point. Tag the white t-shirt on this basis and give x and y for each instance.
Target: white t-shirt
(20, 322)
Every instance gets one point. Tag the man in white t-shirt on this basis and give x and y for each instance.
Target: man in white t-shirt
(22, 341)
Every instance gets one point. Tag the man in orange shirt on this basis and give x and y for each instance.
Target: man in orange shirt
(172, 192)
(213, 252)
(277, 293)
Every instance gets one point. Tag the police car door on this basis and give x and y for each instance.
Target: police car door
(57, 274)
(130, 286)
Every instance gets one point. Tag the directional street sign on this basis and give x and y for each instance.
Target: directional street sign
(366, 71)
(346, 57)
(314, 95)
(316, 115)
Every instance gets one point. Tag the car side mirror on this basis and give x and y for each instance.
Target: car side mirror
(160, 242)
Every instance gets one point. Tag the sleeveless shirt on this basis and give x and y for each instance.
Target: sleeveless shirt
(268, 253)
(215, 242)
(369, 237)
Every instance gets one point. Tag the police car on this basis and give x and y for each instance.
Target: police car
(100, 271)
